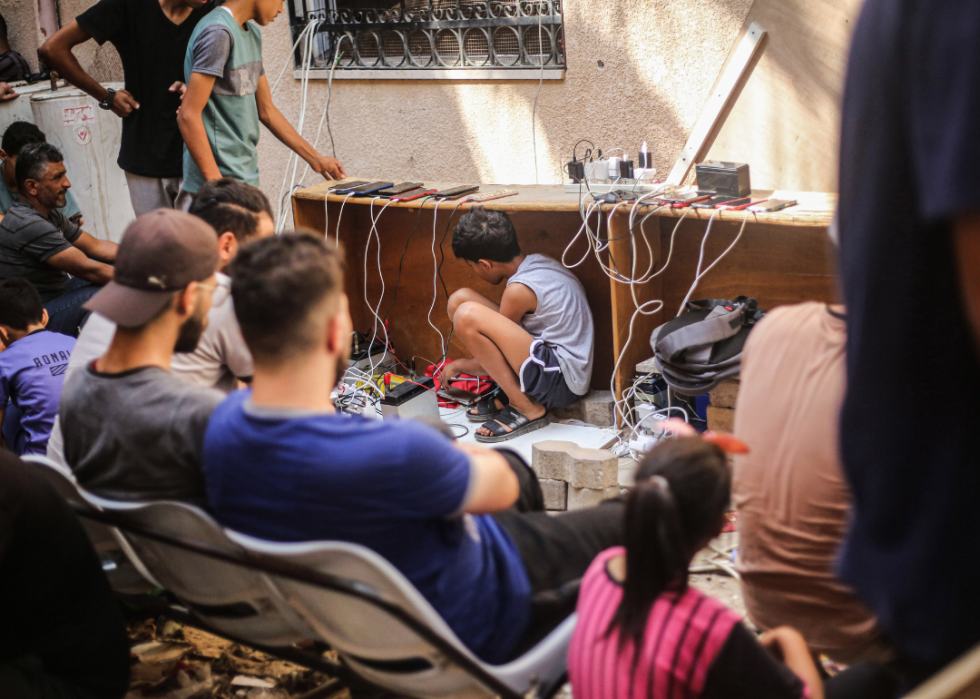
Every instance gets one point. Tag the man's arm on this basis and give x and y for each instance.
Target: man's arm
(966, 247)
(494, 486)
(191, 125)
(76, 263)
(96, 249)
(280, 127)
(56, 52)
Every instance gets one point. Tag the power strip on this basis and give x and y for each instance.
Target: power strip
(603, 187)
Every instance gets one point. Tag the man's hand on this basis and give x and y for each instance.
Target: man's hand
(330, 168)
(77, 219)
(181, 88)
(7, 93)
(124, 104)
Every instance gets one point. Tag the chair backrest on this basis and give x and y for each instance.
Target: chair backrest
(377, 645)
(232, 599)
(958, 680)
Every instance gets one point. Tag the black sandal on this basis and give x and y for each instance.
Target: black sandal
(486, 409)
(518, 424)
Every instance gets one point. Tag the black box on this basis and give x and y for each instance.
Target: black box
(724, 178)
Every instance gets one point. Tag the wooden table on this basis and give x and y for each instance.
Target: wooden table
(782, 257)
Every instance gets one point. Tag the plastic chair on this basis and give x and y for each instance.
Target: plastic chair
(958, 680)
(121, 565)
(382, 648)
(231, 599)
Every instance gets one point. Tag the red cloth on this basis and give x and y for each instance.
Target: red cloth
(467, 382)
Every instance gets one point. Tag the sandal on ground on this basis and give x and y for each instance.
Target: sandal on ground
(486, 409)
(517, 423)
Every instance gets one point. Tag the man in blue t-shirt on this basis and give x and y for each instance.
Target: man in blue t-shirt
(32, 368)
(910, 267)
(281, 464)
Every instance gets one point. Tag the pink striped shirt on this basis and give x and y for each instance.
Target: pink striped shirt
(685, 632)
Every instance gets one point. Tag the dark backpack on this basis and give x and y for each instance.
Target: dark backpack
(697, 350)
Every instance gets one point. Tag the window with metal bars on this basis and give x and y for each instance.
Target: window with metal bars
(511, 38)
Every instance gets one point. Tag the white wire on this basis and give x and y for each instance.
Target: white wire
(375, 309)
(340, 215)
(534, 109)
(289, 58)
(699, 274)
(435, 277)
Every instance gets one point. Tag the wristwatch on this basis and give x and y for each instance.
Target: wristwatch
(107, 102)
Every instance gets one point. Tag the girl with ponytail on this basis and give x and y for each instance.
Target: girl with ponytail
(642, 633)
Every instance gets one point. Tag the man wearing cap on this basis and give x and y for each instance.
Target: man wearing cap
(132, 430)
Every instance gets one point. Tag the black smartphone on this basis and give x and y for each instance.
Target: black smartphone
(347, 185)
(398, 189)
(456, 192)
(714, 201)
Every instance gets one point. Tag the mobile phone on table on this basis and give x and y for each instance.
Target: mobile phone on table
(680, 204)
(733, 206)
(413, 194)
(398, 189)
(457, 192)
(771, 205)
(712, 202)
(347, 185)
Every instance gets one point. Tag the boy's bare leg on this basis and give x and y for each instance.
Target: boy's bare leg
(461, 296)
(501, 346)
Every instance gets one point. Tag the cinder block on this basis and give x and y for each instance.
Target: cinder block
(592, 468)
(725, 394)
(595, 408)
(555, 493)
(548, 459)
(582, 468)
(580, 498)
(721, 419)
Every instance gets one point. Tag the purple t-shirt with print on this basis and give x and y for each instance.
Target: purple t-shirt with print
(32, 372)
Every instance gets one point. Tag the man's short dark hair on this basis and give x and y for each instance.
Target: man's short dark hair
(18, 135)
(32, 161)
(485, 235)
(230, 205)
(20, 304)
(276, 283)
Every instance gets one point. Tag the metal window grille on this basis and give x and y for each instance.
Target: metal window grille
(430, 34)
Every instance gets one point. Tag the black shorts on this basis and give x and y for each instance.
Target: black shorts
(542, 379)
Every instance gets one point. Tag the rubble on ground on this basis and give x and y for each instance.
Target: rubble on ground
(172, 661)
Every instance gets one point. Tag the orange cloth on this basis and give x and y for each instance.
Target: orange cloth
(790, 492)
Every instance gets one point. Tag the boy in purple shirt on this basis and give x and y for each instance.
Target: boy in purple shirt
(32, 368)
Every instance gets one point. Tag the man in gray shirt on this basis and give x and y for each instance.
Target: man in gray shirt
(132, 430)
(37, 242)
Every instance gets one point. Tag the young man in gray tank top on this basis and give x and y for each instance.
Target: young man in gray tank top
(536, 343)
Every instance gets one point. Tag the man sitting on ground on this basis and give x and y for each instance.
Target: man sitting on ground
(793, 501)
(536, 344)
(18, 135)
(133, 430)
(32, 368)
(38, 243)
(281, 464)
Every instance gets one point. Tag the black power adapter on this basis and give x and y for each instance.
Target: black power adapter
(576, 170)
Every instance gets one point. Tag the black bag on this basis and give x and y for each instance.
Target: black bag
(697, 350)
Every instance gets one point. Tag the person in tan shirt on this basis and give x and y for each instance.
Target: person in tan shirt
(793, 502)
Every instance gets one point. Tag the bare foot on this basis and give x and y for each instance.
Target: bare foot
(534, 413)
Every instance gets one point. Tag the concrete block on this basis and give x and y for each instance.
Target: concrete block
(721, 419)
(555, 493)
(595, 408)
(582, 468)
(725, 394)
(548, 459)
(580, 498)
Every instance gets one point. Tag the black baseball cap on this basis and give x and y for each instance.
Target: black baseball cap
(161, 252)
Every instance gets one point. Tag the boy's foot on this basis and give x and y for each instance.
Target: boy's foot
(488, 409)
(511, 423)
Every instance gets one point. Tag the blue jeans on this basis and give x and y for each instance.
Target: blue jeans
(65, 313)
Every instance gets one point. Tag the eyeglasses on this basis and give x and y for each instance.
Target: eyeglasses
(220, 291)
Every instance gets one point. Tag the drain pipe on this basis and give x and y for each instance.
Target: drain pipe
(47, 18)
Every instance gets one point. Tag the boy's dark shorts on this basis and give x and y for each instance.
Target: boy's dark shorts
(542, 379)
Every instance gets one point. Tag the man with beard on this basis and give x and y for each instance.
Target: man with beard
(38, 243)
(132, 430)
